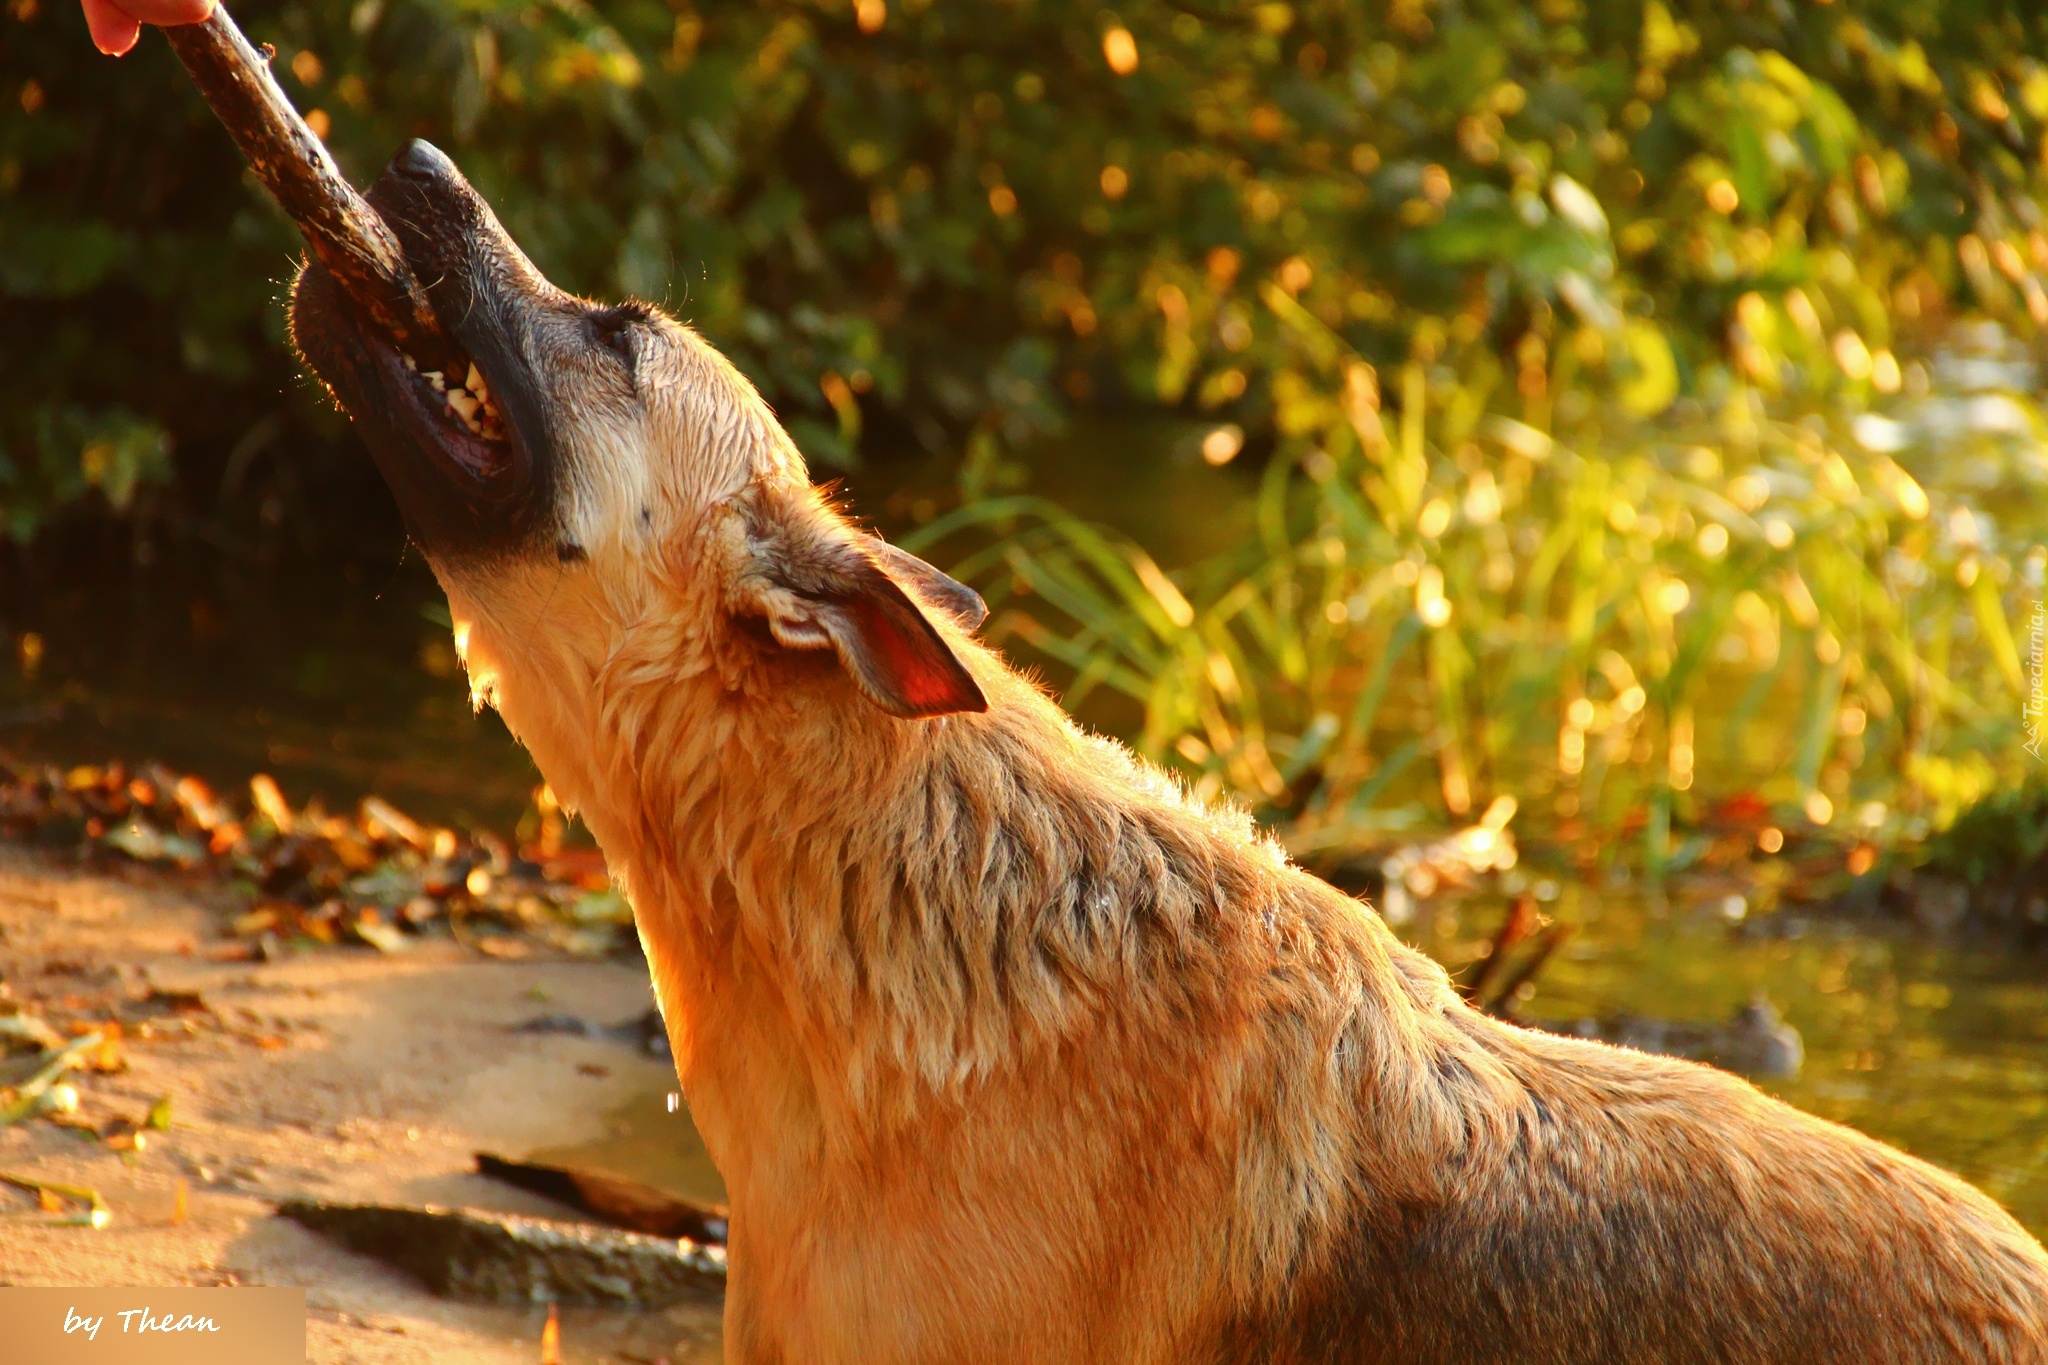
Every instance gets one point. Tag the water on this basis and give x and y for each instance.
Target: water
(337, 680)
(645, 1141)
(1941, 1050)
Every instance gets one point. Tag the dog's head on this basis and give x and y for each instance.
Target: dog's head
(596, 470)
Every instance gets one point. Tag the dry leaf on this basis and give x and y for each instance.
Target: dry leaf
(256, 922)
(551, 1338)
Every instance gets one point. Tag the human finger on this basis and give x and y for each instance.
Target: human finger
(168, 11)
(114, 30)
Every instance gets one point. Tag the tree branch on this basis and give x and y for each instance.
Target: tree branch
(354, 244)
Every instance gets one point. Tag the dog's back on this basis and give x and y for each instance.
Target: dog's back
(1626, 1208)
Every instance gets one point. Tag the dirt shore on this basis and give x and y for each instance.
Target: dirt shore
(336, 1073)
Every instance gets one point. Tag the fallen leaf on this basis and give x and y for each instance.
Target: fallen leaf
(178, 1002)
(256, 921)
(145, 843)
(51, 1198)
(384, 818)
(385, 938)
(28, 1098)
(270, 802)
(108, 1057)
(27, 1031)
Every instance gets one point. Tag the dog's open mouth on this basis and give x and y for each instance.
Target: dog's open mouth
(467, 400)
(450, 408)
(466, 421)
(456, 424)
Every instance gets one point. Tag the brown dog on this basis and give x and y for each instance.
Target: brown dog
(1007, 1051)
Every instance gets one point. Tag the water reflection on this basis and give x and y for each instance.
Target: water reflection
(644, 1140)
(336, 683)
(1941, 1050)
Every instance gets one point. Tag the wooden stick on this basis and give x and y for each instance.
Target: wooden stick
(1504, 1003)
(355, 245)
(1522, 920)
(624, 1203)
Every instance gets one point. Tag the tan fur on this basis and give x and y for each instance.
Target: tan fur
(1009, 1052)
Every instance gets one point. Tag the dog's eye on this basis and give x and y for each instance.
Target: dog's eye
(615, 328)
(617, 339)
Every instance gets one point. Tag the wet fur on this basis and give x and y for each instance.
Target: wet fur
(1010, 1052)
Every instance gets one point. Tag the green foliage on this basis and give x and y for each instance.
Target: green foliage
(137, 275)
(2005, 831)
(967, 219)
(1618, 631)
(1998, 848)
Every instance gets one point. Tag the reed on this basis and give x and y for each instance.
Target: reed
(1621, 624)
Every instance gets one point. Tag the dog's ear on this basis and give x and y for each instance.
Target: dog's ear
(835, 589)
(959, 601)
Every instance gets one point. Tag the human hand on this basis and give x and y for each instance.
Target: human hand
(115, 24)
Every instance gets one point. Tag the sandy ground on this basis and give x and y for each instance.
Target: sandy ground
(338, 1074)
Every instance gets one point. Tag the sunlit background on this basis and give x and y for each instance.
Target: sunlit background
(1606, 429)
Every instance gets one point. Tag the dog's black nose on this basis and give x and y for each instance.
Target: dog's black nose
(422, 160)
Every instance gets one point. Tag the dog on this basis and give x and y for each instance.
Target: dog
(1008, 1050)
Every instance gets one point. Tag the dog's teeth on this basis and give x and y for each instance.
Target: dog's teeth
(464, 405)
(474, 382)
(410, 363)
(435, 378)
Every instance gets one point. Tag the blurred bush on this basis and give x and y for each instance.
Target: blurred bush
(913, 222)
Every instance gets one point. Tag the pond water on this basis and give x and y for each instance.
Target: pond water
(337, 680)
(1940, 1049)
